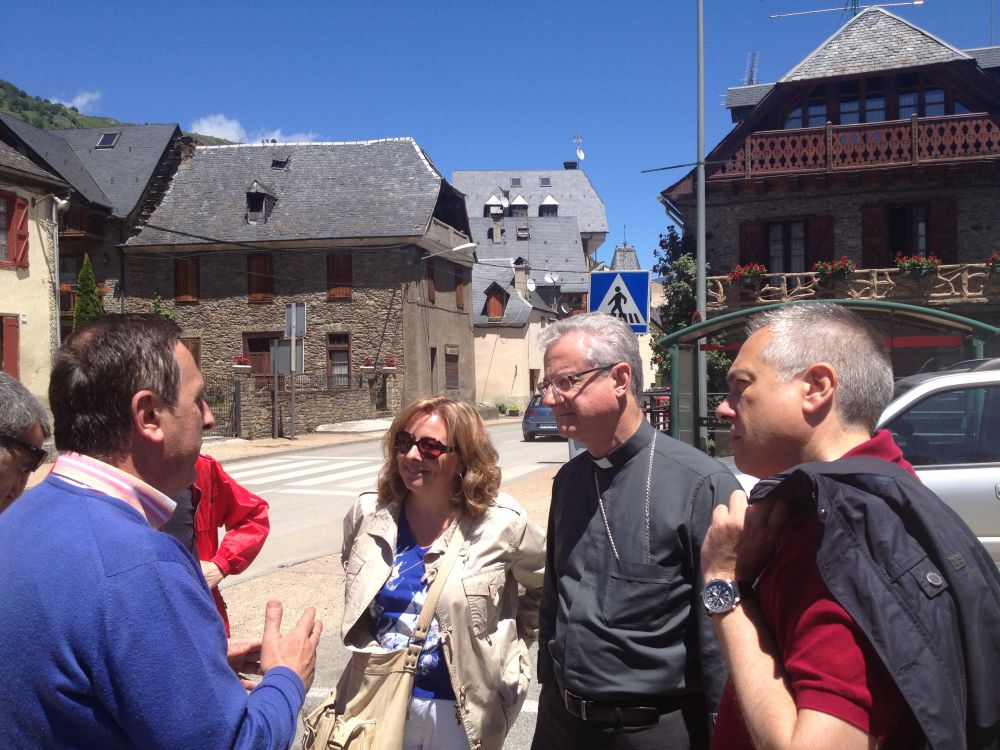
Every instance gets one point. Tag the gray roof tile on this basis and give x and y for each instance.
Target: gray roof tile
(383, 188)
(122, 172)
(625, 259)
(499, 271)
(747, 96)
(11, 158)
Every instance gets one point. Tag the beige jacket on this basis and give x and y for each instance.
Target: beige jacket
(485, 624)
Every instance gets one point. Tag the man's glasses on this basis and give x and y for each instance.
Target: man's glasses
(566, 383)
(38, 455)
(429, 447)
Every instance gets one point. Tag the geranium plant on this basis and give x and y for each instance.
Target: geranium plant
(748, 272)
(834, 269)
(391, 363)
(368, 362)
(909, 263)
(241, 360)
(993, 262)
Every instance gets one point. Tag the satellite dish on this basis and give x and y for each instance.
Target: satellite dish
(551, 278)
(580, 155)
(564, 308)
(531, 285)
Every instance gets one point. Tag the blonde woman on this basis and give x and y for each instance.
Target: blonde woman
(440, 471)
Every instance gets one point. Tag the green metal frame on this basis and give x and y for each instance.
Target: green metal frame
(979, 331)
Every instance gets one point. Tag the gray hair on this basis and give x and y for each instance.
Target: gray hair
(19, 410)
(97, 371)
(610, 341)
(807, 333)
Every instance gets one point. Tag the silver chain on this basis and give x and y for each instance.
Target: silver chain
(649, 488)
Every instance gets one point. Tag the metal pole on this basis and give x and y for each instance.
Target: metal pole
(701, 386)
(293, 374)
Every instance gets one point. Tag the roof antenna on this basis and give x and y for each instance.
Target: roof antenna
(850, 6)
(578, 139)
(750, 73)
(624, 236)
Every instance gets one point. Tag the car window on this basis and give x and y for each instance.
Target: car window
(535, 401)
(956, 426)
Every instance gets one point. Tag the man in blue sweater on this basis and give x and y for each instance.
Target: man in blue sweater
(109, 636)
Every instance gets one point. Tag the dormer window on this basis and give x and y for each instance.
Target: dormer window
(519, 207)
(496, 301)
(260, 204)
(108, 140)
(280, 162)
(492, 206)
(549, 207)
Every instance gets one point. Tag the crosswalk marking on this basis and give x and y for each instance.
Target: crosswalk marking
(336, 477)
(254, 469)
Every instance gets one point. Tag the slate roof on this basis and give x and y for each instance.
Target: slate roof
(746, 96)
(122, 172)
(571, 187)
(625, 259)
(58, 157)
(381, 188)
(554, 246)
(11, 158)
(873, 40)
(501, 272)
(987, 57)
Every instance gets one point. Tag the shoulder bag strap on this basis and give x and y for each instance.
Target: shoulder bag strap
(434, 593)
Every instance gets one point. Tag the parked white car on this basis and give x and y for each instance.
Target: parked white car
(948, 426)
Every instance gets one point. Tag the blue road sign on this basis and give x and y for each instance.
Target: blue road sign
(624, 294)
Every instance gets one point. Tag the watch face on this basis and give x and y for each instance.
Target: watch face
(719, 596)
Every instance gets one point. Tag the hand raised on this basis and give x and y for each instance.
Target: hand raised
(243, 655)
(296, 649)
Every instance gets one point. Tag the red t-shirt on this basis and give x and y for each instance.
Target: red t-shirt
(830, 665)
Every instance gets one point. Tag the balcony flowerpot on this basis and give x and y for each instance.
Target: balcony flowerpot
(367, 368)
(389, 368)
(917, 273)
(241, 369)
(992, 269)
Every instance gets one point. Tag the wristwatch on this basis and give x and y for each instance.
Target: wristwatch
(722, 595)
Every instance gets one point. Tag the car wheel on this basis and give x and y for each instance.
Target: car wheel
(529, 437)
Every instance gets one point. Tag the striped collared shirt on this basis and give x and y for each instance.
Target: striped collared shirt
(98, 476)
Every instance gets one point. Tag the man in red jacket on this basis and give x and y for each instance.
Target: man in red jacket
(215, 500)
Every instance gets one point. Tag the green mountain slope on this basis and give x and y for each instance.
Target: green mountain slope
(51, 116)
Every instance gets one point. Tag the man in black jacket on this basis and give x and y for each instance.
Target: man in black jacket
(844, 596)
(854, 608)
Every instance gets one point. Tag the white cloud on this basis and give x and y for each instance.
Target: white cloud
(85, 102)
(220, 126)
(229, 128)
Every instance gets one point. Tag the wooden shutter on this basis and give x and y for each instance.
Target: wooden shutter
(186, 280)
(460, 289)
(944, 231)
(11, 339)
(431, 290)
(752, 249)
(260, 278)
(875, 250)
(339, 276)
(494, 305)
(819, 240)
(451, 367)
(19, 233)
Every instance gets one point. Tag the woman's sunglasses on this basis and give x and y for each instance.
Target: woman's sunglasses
(37, 455)
(429, 447)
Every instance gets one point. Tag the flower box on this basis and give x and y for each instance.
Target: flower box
(828, 270)
(915, 266)
(750, 273)
(241, 369)
(993, 262)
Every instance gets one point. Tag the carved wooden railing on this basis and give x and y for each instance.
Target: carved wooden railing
(837, 148)
(947, 285)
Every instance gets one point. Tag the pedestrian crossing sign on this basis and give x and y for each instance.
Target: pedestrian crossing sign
(624, 294)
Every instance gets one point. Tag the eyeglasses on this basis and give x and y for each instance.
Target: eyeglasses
(566, 383)
(429, 447)
(38, 455)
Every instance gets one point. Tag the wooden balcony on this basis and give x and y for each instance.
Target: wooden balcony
(842, 148)
(958, 284)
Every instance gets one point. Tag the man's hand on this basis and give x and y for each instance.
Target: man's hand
(742, 538)
(297, 649)
(243, 655)
(212, 573)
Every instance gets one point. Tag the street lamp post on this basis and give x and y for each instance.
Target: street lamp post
(701, 381)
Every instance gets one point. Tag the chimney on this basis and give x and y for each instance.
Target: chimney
(521, 269)
(570, 165)
(497, 217)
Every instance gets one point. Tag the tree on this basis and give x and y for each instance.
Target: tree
(88, 301)
(678, 270)
(161, 309)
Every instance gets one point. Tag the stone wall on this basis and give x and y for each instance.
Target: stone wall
(222, 318)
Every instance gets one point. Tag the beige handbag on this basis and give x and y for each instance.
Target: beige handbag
(367, 710)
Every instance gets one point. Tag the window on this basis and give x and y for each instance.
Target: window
(933, 102)
(551, 209)
(908, 229)
(451, 367)
(260, 277)
(108, 140)
(515, 182)
(794, 119)
(255, 207)
(280, 163)
(13, 231)
(494, 305)
(524, 233)
(431, 288)
(257, 346)
(186, 279)
(786, 247)
(519, 207)
(339, 276)
(850, 113)
(461, 281)
(338, 360)
(875, 108)
(544, 182)
(909, 104)
(817, 114)
(957, 426)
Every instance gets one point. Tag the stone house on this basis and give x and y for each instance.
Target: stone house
(368, 234)
(28, 232)
(537, 232)
(883, 142)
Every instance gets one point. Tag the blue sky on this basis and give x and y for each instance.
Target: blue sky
(479, 85)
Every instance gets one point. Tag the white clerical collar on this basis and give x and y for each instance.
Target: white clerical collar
(603, 462)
